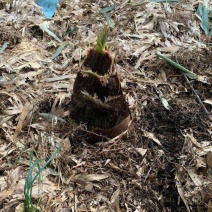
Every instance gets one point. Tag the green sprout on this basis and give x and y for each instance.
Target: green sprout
(91, 73)
(101, 41)
(30, 180)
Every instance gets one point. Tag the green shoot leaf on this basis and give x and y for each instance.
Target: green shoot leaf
(91, 73)
(101, 41)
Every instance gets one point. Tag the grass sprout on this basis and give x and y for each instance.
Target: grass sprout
(101, 41)
(31, 178)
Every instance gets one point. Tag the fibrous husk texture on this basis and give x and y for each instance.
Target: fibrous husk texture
(97, 98)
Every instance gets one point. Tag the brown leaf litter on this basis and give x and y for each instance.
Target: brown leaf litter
(165, 162)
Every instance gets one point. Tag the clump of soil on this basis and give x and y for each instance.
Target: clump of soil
(97, 99)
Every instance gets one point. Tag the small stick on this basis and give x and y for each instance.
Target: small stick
(196, 94)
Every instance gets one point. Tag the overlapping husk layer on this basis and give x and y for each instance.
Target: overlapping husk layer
(97, 99)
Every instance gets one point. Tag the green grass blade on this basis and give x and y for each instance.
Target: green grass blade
(28, 205)
(44, 28)
(52, 117)
(4, 47)
(109, 21)
(190, 74)
(107, 9)
(204, 14)
(59, 49)
(48, 161)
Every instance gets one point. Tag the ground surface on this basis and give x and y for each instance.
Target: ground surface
(164, 164)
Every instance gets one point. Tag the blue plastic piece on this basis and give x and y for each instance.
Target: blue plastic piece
(48, 6)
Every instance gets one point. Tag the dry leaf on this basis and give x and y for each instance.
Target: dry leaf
(195, 178)
(92, 177)
(117, 130)
(209, 159)
(152, 137)
(181, 192)
(209, 206)
(25, 111)
(200, 162)
(141, 151)
(19, 208)
(208, 101)
(190, 138)
(115, 200)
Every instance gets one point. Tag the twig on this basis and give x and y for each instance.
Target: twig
(196, 94)
(148, 174)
